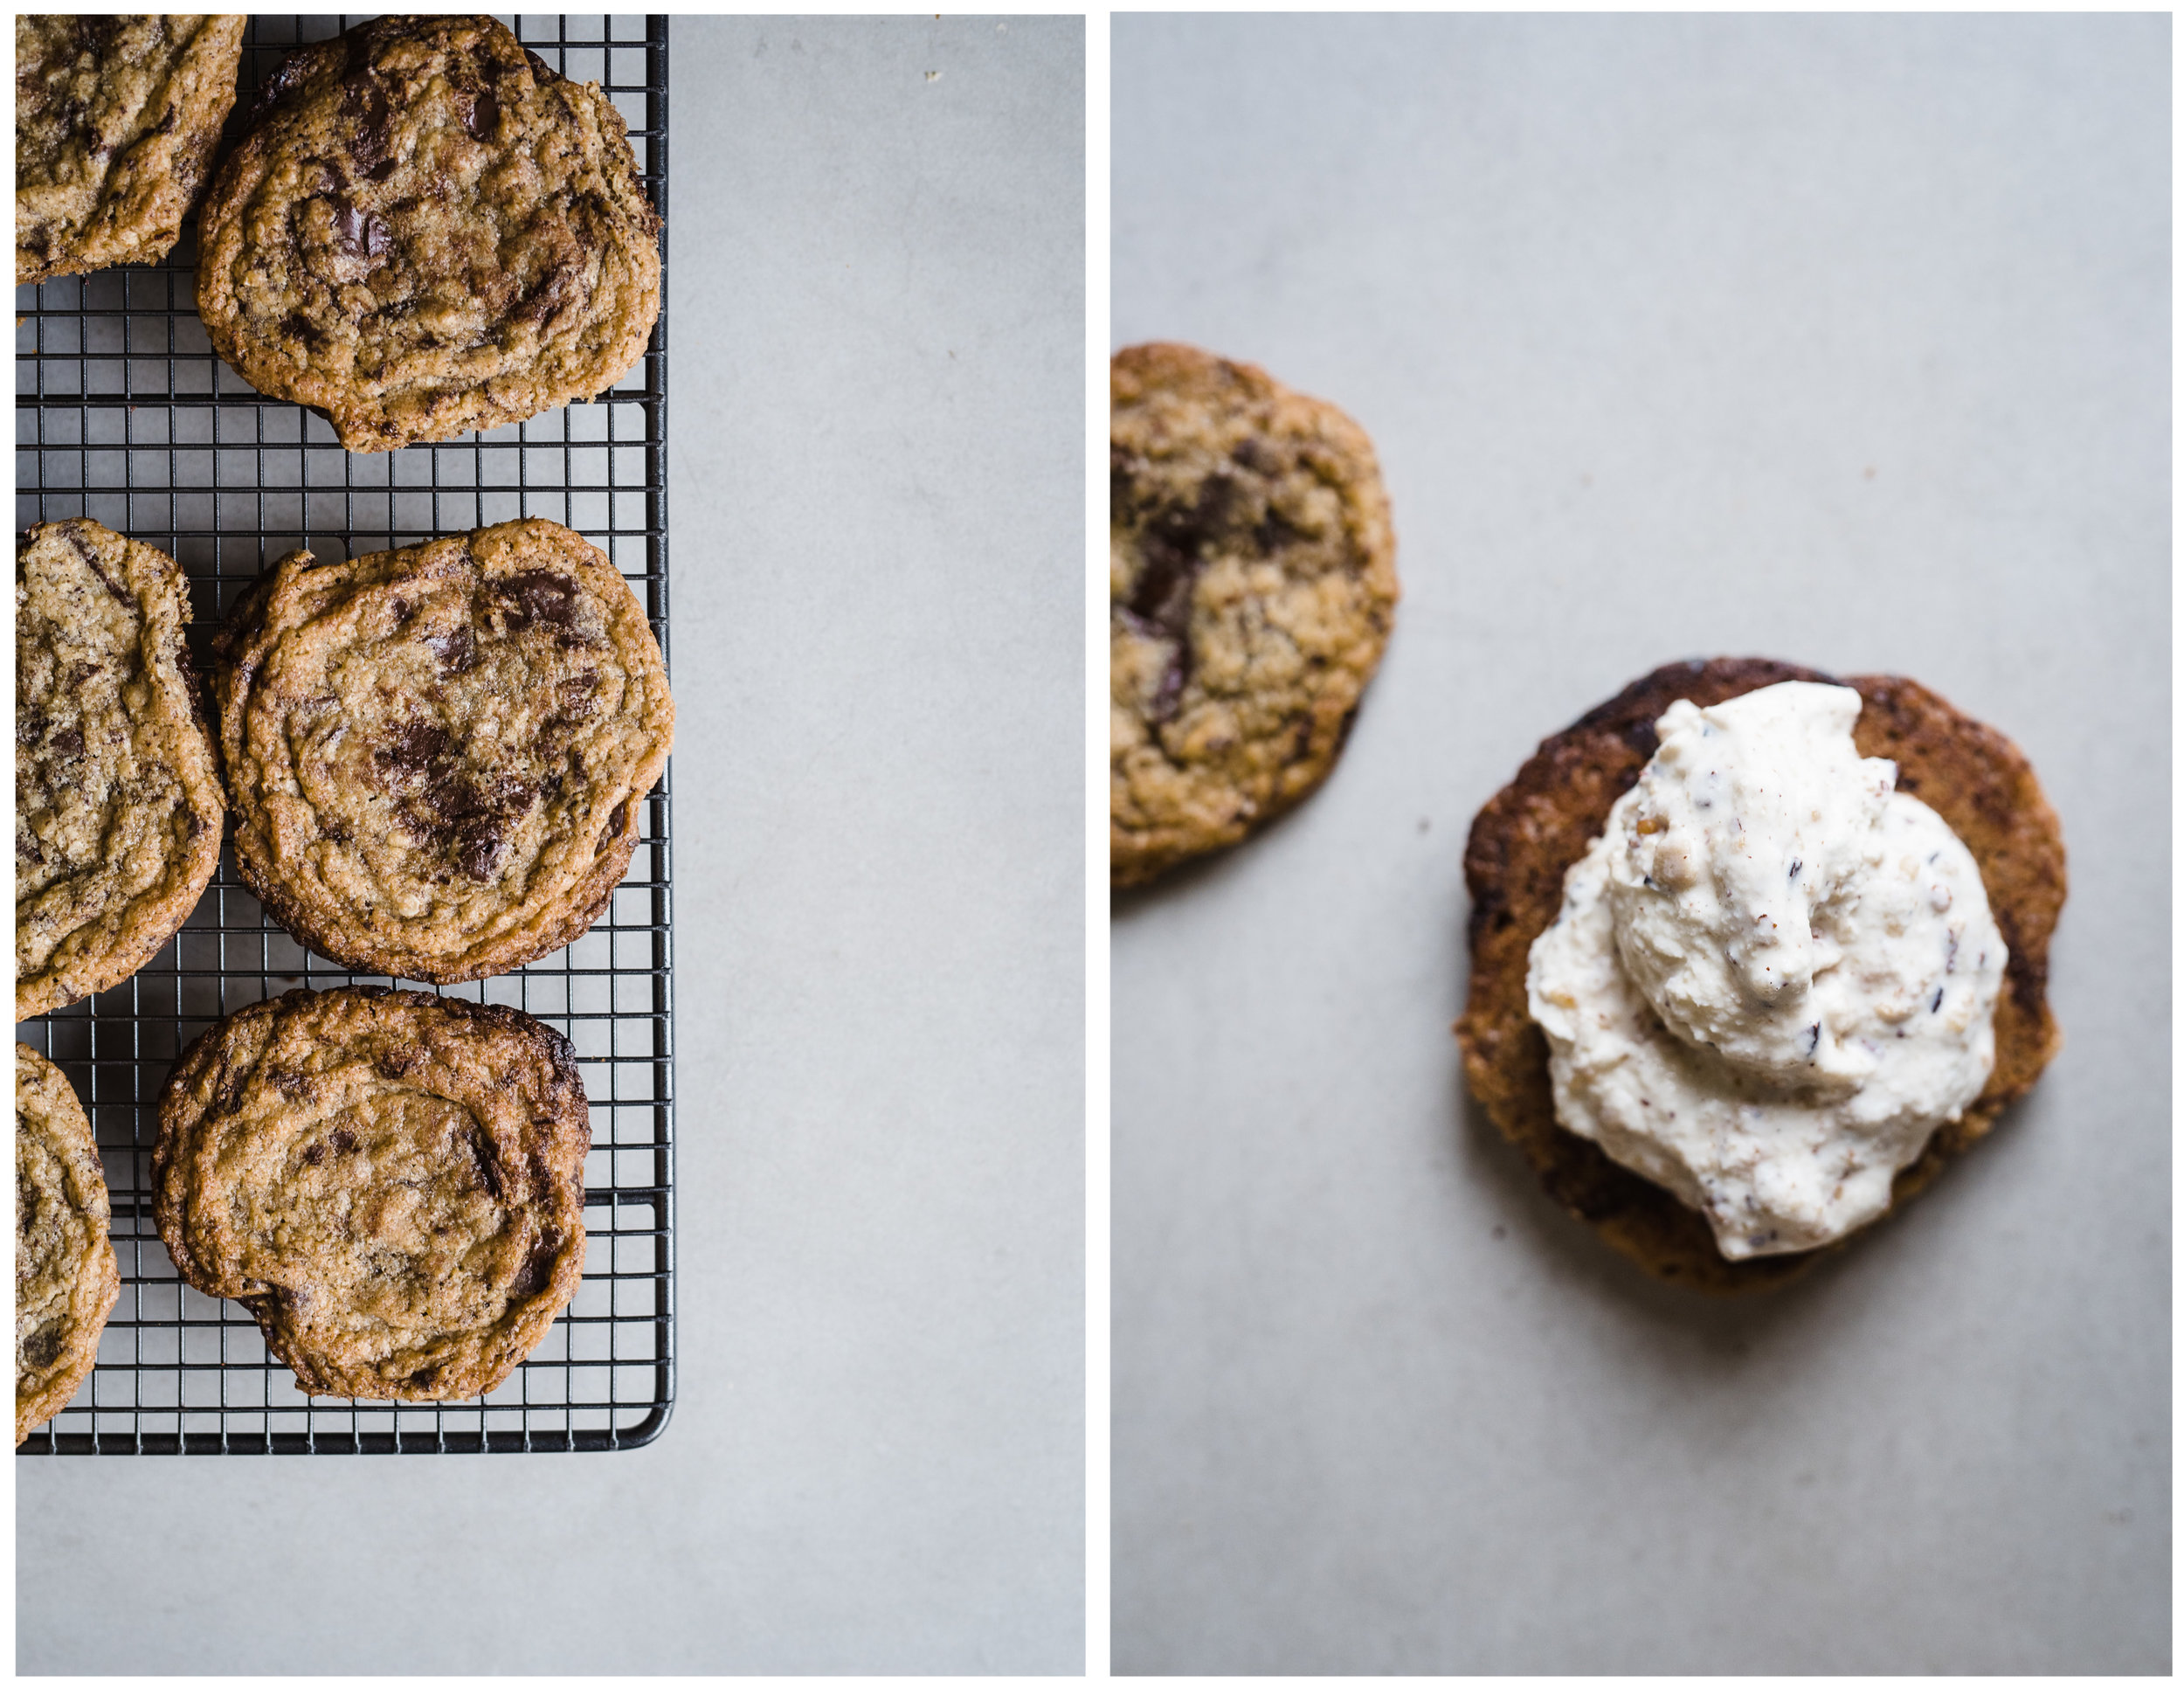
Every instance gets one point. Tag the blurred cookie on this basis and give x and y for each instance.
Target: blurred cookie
(391, 1182)
(437, 755)
(65, 1279)
(1251, 588)
(117, 796)
(426, 231)
(1525, 840)
(116, 122)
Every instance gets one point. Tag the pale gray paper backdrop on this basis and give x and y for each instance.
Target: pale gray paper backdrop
(876, 1461)
(1844, 340)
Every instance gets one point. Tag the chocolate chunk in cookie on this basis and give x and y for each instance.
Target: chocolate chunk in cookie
(115, 122)
(1251, 588)
(426, 231)
(437, 755)
(65, 1279)
(117, 797)
(1526, 838)
(391, 1182)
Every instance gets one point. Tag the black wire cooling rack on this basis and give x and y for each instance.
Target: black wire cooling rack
(123, 414)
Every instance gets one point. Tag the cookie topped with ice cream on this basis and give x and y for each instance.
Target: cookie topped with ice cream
(1754, 953)
(1773, 973)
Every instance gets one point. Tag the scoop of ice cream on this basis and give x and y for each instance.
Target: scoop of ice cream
(1773, 973)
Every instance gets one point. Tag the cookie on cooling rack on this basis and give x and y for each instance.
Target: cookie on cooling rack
(1525, 840)
(391, 1182)
(426, 231)
(115, 122)
(1251, 588)
(437, 755)
(117, 794)
(65, 1280)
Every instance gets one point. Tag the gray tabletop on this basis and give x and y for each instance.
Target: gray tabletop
(875, 484)
(1842, 339)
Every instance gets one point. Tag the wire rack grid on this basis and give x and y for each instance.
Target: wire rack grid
(123, 414)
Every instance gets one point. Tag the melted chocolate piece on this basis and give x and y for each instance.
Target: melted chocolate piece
(291, 74)
(1174, 543)
(443, 807)
(360, 233)
(488, 1167)
(44, 1348)
(542, 301)
(95, 35)
(481, 114)
(537, 595)
(1275, 532)
(456, 650)
(364, 105)
(537, 1270)
(89, 552)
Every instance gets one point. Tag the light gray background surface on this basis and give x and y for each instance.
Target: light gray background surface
(877, 492)
(1842, 340)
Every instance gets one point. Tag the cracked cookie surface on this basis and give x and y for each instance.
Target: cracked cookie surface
(438, 755)
(117, 797)
(1251, 588)
(391, 1182)
(426, 231)
(116, 122)
(66, 1278)
(1525, 840)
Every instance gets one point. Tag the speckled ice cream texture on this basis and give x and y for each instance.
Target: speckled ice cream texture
(1773, 974)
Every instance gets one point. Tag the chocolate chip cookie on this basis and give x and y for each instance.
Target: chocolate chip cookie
(1251, 588)
(117, 796)
(1525, 840)
(65, 1280)
(425, 231)
(437, 755)
(391, 1182)
(115, 122)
